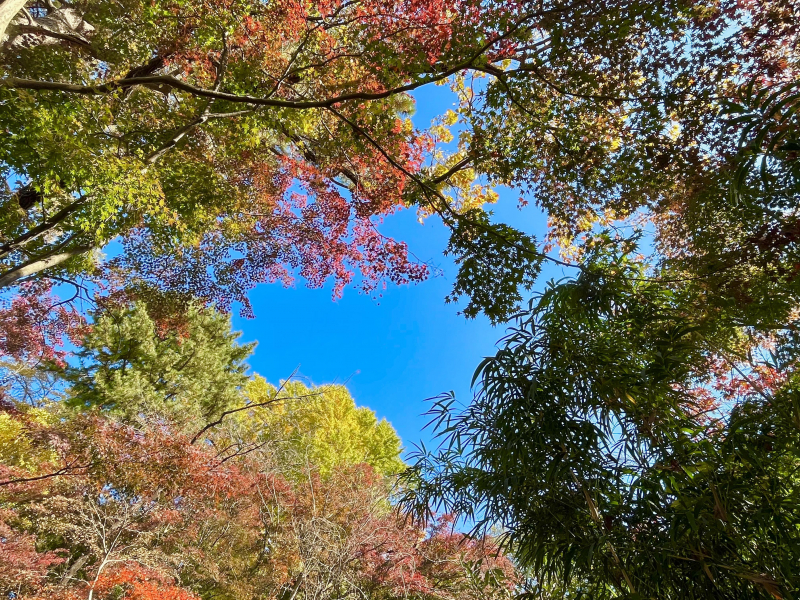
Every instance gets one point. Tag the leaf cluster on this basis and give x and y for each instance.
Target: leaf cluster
(588, 444)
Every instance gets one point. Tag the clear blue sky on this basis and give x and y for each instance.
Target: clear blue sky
(398, 350)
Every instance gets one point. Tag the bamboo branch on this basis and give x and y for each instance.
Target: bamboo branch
(595, 514)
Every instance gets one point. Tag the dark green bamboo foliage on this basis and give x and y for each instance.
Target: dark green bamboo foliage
(767, 118)
(126, 367)
(738, 234)
(585, 443)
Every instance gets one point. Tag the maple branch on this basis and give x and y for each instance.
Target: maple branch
(69, 575)
(292, 59)
(239, 452)
(499, 75)
(188, 128)
(272, 400)
(42, 228)
(8, 10)
(174, 82)
(529, 68)
(172, 142)
(758, 388)
(452, 170)
(62, 471)
(445, 205)
(81, 291)
(296, 587)
(205, 115)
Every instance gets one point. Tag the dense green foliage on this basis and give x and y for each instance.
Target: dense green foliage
(632, 442)
(126, 367)
(636, 435)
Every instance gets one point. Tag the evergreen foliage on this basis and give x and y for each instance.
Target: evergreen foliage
(126, 367)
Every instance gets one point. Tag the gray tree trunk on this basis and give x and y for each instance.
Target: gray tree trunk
(35, 266)
(8, 10)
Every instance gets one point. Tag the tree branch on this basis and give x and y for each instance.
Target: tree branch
(444, 210)
(44, 227)
(62, 471)
(66, 37)
(36, 265)
(232, 411)
(174, 82)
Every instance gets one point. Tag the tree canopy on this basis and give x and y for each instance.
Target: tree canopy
(133, 482)
(124, 366)
(326, 428)
(634, 436)
(630, 446)
(230, 144)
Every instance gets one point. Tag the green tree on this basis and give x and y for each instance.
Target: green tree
(322, 426)
(128, 367)
(633, 443)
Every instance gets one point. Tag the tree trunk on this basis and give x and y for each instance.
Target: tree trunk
(41, 229)
(35, 266)
(8, 10)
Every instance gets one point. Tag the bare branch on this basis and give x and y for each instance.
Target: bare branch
(65, 37)
(275, 398)
(66, 470)
(42, 228)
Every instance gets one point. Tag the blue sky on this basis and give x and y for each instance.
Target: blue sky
(395, 351)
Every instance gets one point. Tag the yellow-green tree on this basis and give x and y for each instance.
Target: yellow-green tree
(322, 426)
(19, 447)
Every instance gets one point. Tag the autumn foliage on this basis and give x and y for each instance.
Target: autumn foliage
(140, 513)
(163, 494)
(36, 323)
(636, 434)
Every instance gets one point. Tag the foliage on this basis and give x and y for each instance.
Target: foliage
(107, 508)
(125, 366)
(224, 144)
(768, 119)
(322, 426)
(159, 470)
(605, 434)
(336, 536)
(229, 146)
(608, 442)
(494, 263)
(35, 324)
(138, 511)
(636, 433)
(19, 449)
(612, 113)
